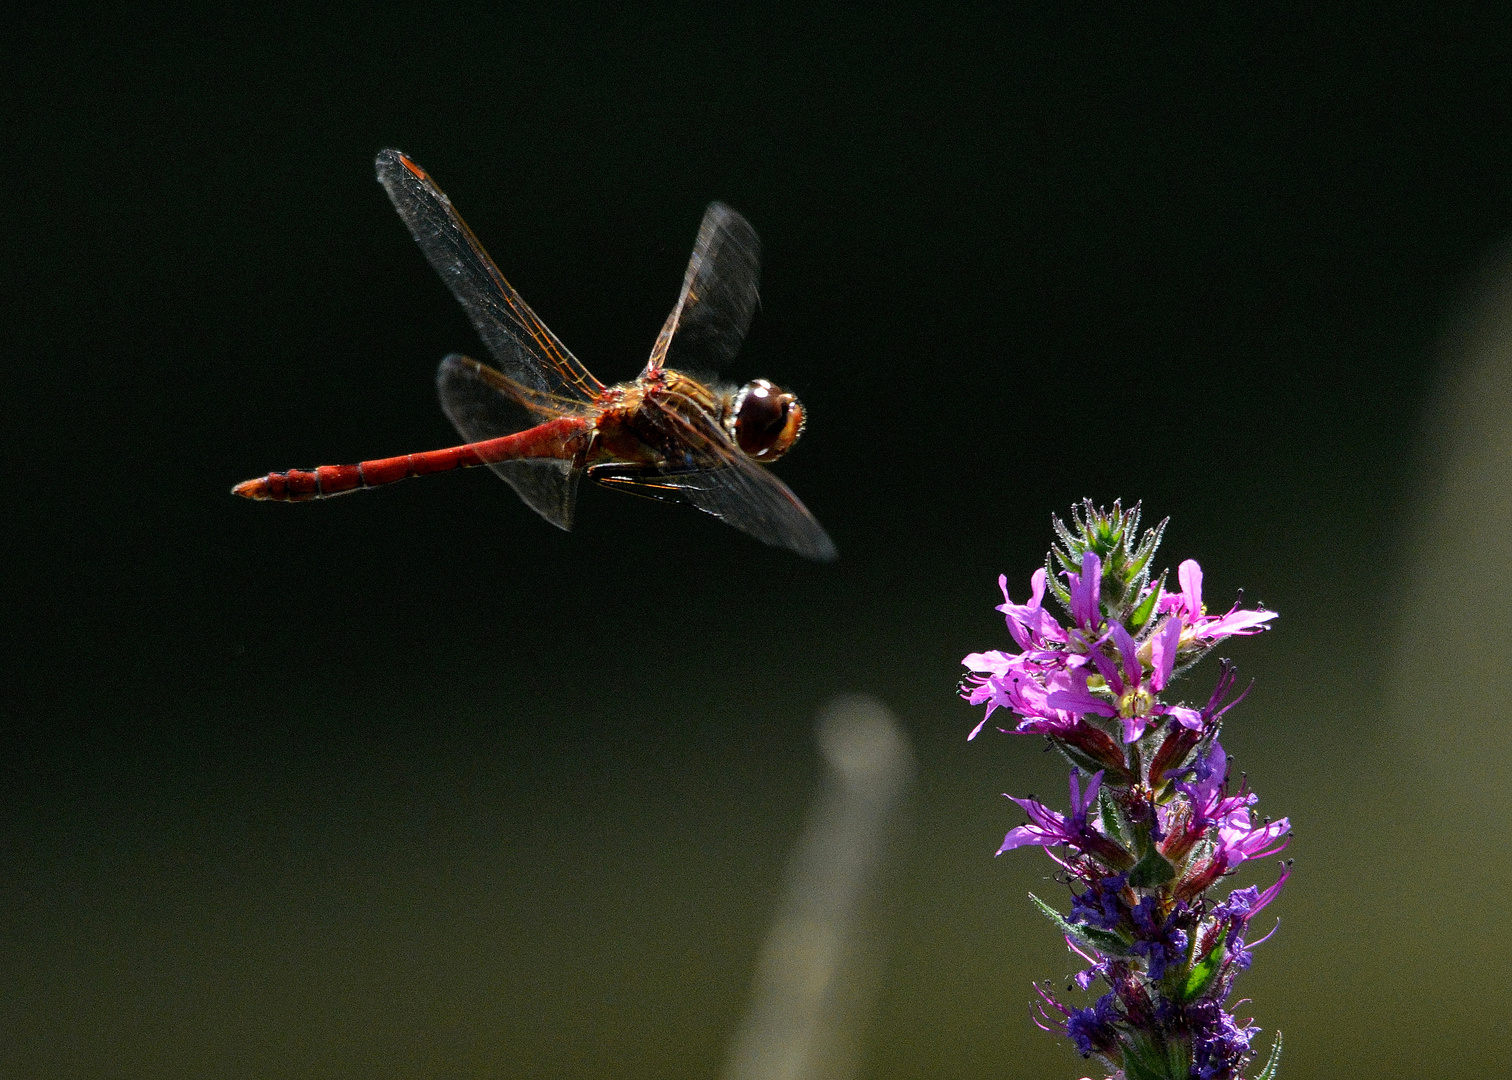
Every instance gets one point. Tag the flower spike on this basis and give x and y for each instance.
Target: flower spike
(1154, 824)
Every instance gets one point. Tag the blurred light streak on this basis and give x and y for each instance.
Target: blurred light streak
(1425, 818)
(1454, 643)
(814, 983)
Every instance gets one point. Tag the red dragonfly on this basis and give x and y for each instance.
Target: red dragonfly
(541, 420)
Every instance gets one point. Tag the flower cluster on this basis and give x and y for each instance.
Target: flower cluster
(1153, 824)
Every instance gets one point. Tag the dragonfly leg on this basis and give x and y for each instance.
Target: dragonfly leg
(659, 482)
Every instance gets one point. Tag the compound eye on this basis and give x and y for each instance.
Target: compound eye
(768, 421)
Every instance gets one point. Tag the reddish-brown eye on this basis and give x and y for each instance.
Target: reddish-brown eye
(767, 421)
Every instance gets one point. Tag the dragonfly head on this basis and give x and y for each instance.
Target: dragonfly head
(764, 421)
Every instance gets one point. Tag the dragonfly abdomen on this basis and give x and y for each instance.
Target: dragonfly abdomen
(563, 438)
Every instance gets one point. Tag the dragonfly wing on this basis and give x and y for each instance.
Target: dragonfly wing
(484, 404)
(546, 485)
(747, 496)
(719, 295)
(528, 352)
(715, 476)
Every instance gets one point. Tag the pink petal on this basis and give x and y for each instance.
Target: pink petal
(1190, 576)
(1037, 589)
(993, 662)
(1134, 727)
(1187, 718)
(1129, 652)
(1107, 669)
(1085, 589)
(1078, 699)
(1020, 837)
(1163, 653)
(1236, 621)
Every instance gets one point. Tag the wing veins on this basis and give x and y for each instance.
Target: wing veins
(492, 304)
(719, 293)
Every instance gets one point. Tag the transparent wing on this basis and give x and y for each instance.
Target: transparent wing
(484, 404)
(747, 496)
(527, 351)
(720, 480)
(719, 295)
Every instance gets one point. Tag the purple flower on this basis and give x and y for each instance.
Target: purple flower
(1232, 917)
(1133, 690)
(1157, 826)
(1179, 742)
(1209, 807)
(1085, 587)
(1205, 630)
(1047, 828)
(1014, 680)
(1240, 842)
(1100, 905)
(1004, 681)
(1030, 624)
(1161, 942)
(1242, 905)
(1092, 1029)
(1219, 1044)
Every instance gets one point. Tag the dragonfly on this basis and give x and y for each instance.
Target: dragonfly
(542, 421)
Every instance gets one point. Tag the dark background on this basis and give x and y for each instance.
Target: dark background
(413, 784)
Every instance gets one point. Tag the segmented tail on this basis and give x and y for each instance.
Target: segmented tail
(563, 438)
